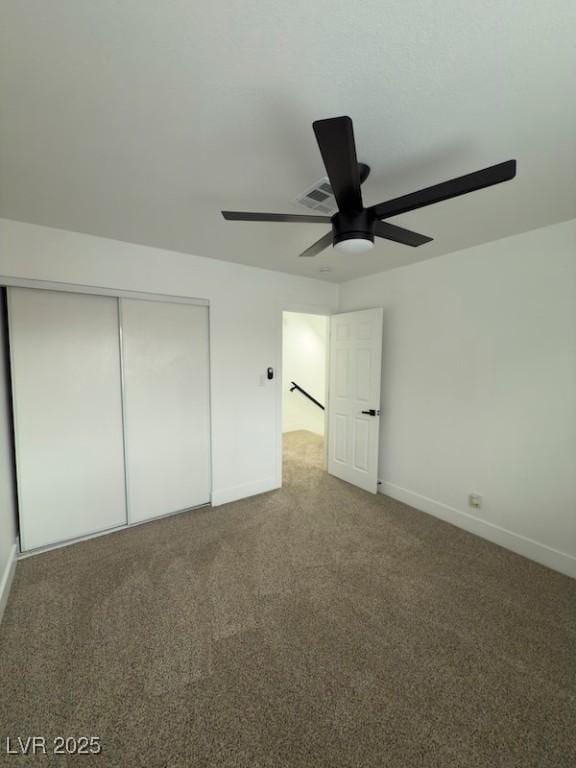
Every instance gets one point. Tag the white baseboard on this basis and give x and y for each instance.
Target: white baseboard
(6, 579)
(236, 492)
(541, 553)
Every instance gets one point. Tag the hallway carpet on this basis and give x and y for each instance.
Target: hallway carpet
(316, 626)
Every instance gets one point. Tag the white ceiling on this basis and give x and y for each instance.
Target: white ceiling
(139, 120)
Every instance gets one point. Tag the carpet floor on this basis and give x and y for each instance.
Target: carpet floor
(315, 626)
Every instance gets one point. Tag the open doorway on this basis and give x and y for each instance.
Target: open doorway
(304, 389)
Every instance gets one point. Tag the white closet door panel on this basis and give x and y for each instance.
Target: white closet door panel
(166, 406)
(68, 414)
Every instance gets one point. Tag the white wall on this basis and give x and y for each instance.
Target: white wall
(304, 361)
(479, 369)
(246, 307)
(7, 483)
(479, 388)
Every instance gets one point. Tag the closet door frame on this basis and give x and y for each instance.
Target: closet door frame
(49, 285)
(97, 290)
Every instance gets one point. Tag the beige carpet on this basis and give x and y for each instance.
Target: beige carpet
(312, 626)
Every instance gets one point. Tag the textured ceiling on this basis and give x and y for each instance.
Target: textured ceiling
(139, 120)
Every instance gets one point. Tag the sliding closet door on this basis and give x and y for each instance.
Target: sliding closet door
(166, 406)
(68, 414)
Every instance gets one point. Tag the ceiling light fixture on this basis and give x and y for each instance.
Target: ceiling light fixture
(354, 245)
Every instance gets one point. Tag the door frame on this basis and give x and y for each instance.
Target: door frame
(304, 309)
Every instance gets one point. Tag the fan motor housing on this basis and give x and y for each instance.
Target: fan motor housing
(346, 226)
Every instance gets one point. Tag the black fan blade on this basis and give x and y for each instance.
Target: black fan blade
(318, 246)
(335, 138)
(495, 174)
(283, 217)
(399, 234)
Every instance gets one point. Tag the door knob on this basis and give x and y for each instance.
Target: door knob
(372, 412)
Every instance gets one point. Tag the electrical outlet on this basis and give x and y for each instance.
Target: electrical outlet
(475, 501)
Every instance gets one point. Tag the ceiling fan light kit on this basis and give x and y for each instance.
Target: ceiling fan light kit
(353, 232)
(354, 244)
(354, 227)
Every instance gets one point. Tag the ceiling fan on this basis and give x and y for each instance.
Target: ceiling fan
(354, 226)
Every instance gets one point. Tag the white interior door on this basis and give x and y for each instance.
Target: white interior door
(354, 397)
(166, 406)
(68, 414)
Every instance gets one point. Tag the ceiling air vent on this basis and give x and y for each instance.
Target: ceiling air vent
(319, 197)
